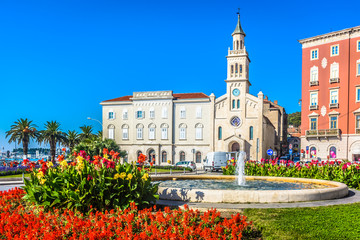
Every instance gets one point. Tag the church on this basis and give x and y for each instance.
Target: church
(171, 127)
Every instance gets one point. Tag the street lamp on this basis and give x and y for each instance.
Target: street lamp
(89, 118)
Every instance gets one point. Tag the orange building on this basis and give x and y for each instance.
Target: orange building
(330, 114)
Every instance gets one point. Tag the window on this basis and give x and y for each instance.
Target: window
(240, 66)
(334, 50)
(219, 133)
(125, 114)
(358, 46)
(182, 131)
(182, 156)
(152, 113)
(333, 122)
(199, 131)
(139, 131)
(314, 74)
(313, 123)
(164, 112)
(314, 54)
(251, 133)
(313, 152)
(152, 132)
(358, 68)
(138, 153)
(358, 94)
(111, 115)
(332, 152)
(164, 157)
(313, 98)
(125, 132)
(232, 68)
(238, 103)
(357, 117)
(111, 129)
(182, 112)
(233, 103)
(334, 70)
(140, 114)
(333, 96)
(164, 133)
(198, 112)
(236, 67)
(198, 157)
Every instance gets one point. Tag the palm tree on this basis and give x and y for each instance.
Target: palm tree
(52, 135)
(72, 138)
(22, 131)
(86, 132)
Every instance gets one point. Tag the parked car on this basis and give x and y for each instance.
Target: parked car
(215, 160)
(188, 164)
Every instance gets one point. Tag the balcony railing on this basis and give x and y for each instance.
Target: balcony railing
(314, 107)
(323, 133)
(334, 105)
(314, 83)
(334, 80)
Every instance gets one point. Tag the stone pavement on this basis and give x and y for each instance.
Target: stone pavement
(353, 197)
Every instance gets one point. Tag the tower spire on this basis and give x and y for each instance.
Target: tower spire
(238, 28)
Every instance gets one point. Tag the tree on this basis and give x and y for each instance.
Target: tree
(87, 132)
(95, 146)
(22, 131)
(72, 138)
(52, 135)
(294, 119)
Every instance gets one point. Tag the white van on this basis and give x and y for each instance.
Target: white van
(215, 160)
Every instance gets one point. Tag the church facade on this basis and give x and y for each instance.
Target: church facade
(170, 127)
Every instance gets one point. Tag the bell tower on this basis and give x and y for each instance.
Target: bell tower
(237, 68)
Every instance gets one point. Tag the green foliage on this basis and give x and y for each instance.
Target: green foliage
(346, 173)
(101, 185)
(86, 132)
(294, 119)
(94, 146)
(72, 138)
(52, 135)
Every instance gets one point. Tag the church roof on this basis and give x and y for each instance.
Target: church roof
(175, 95)
(238, 28)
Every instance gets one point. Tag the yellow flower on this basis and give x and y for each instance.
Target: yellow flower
(42, 181)
(145, 177)
(80, 159)
(129, 176)
(63, 163)
(116, 176)
(40, 175)
(106, 156)
(50, 164)
(122, 175)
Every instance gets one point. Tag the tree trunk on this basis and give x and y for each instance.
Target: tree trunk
(52, 150)
(25, 147)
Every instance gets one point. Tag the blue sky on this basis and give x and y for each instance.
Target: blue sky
(60, 59)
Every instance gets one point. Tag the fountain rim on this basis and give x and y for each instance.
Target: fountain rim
(333, 191)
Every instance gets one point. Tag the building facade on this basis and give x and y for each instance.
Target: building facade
(330, 116)
(170, 127)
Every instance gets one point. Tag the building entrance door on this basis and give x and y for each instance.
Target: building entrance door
(151, 156)
(235, 147)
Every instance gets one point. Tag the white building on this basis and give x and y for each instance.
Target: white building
(167, 126)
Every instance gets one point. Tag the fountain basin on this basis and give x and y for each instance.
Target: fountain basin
(330, 190)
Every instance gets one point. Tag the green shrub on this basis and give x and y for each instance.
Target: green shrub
(94, 146)
(88, 184)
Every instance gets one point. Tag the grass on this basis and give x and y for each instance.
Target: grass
(165, 170)
(15, 176)
(332, 222)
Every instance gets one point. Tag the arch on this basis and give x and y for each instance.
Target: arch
(164, 125)
(151, 155)
(238, 103)
(332, 152)
(235, 147)
(198, 157)
(199, 125)
(251, 133)
(139, 125)
(125, 126)
(220, 133)
(152, 125)
(111, 131)
(164, 156)
(313, 152)
(138, 153)
(182, 156)
(182, 125)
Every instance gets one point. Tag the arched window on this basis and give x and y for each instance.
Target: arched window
(240, 68)
(241, 44)
(232, 68)
(182, 131)
(237, 45)
(236, 67)
(139, 131)
(198, 157)
(220, 133)
(125, 131)
(312, 152)
(138, 153)
(238, 103)
(233, 103)
(152, 128)
(111, 131)
(251, 133)
(164, 157)
(164, 131)
(182, 156)
(199, 131)
(332, 152)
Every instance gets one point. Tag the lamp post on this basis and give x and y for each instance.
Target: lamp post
(89, 118)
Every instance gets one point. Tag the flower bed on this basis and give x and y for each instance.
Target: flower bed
(345, 172)
(18, 221)
(16, 168)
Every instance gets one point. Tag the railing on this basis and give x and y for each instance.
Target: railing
(334, 80)
(334, 105)
(314, 107)
(323, 133)
(314, 83)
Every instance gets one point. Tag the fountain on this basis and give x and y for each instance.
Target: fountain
(240, 169)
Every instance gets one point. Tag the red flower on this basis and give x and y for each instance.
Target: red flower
(89, 177)
(63, 149)
(105, 151)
